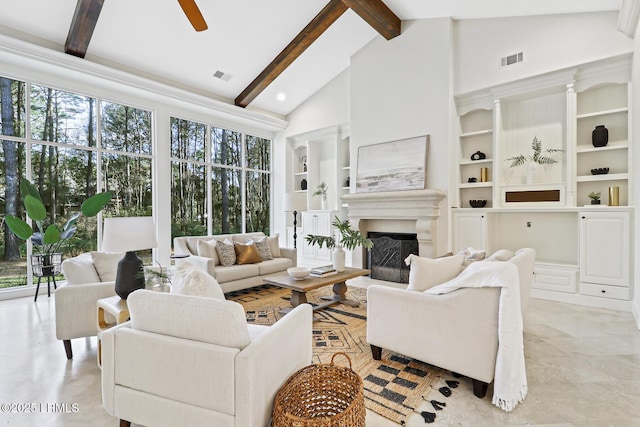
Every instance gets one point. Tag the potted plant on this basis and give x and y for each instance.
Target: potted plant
(539, 157)
(47, 237)
(595, 197)
(345, 237)
(321, 191)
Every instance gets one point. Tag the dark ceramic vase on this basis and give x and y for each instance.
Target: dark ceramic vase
(595, 202)
(600, 136)
(303, 184)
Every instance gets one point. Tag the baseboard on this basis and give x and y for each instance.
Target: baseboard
(586, 300)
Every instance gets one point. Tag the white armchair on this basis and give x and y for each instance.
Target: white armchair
(193, 361)
(76, 301)
(457, 331)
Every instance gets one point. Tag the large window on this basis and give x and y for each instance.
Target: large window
(59, 149)
(221, 180)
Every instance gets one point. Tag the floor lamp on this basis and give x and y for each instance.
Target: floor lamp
(295, 202)
(129, 234)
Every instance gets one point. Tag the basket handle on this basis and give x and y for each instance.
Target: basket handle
(345, 355)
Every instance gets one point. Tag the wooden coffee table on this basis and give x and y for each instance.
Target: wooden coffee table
(299, 288)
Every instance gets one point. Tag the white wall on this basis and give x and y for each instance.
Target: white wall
(635, 153)
(548, 42)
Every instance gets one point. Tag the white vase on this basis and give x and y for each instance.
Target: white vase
(324, 204)
(532, 173)
(338, 256)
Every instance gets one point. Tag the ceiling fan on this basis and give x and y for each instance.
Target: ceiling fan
(190, 8)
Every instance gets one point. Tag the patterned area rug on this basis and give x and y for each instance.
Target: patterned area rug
(394, 386)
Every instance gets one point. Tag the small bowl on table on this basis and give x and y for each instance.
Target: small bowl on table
(478, 203)
(298, 273)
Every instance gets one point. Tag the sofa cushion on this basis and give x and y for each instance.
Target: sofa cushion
(274, 245)
(197, 283)
(247, 237)
(226, 252)
(426, 273)
(246, 253)
(79, 270)
(236, 272)
(275, 265)
(501, 255)
(106, 264)
(207, 320)
(262, 245)
(207, 249)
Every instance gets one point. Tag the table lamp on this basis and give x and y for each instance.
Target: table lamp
(129, 234)
(295, 202)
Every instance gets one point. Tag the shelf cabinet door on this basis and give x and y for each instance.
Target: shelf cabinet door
(470, 230)
(605, 248)
(318, 223)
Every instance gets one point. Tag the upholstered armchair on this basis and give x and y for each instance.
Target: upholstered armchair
(457, 331)
(187, 360)
(76, 301)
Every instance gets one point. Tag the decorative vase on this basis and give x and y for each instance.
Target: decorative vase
(338, 257)
(600, 136)
(324, 204)
(532, 173)
(303, 184)
(595, 202)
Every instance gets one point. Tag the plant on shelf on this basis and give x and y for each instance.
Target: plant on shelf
(595, 197)
(47, 237)
(348, 238)
(321, 190)
(539, 157)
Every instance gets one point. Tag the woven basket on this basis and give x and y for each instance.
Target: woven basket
(321, 396)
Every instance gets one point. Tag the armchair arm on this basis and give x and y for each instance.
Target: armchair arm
(108, 365)
(456, 331)
(201, 263)
(290, 253)
(77, 310)
(265, 364)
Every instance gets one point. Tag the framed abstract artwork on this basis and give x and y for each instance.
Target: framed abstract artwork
(393, 166)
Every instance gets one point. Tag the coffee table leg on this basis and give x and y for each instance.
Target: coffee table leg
(340, 295)
(297, 298)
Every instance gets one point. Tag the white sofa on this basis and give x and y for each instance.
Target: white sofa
(235, 277)
(76, 300)
(194, 361)
(457, 331)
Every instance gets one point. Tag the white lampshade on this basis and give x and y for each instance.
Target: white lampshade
(122, 234)
(294, 202)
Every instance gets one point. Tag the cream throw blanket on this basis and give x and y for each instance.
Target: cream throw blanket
(510, 378)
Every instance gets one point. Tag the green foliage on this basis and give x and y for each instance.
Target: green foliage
(594, 195)
(321, 190)
(537, 156)
(349, 238)
(48, 238)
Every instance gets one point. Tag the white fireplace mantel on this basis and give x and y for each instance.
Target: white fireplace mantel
(414, 211)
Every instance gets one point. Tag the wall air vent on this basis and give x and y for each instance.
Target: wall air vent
(222, 75)
(511, 59)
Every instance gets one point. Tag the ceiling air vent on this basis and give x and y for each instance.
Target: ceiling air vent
(222, 76)
(511, 59)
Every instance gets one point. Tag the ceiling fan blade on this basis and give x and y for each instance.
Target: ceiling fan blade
(193, 14)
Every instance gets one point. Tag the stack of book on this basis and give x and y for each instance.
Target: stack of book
(325, 270)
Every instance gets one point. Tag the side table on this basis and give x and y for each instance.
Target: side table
(115, 306)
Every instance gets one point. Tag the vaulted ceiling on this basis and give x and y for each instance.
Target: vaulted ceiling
(262, 49)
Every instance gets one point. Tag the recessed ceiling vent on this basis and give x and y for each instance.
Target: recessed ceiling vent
(222, 75)
(511, 59)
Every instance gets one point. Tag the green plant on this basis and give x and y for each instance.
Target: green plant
(321, 190)
(48, 237)
(538, 155)
(595, 195)
(349, 238)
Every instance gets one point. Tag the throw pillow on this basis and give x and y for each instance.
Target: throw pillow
(197, 283)
(426, 273)
(226, 253)
(79, 270)
(501, 255)
(263, 248)
(472, 255)
(274, 246)
(207, 249)
(106, 264)
(247, 253)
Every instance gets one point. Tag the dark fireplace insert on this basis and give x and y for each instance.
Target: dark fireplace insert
(386, 258)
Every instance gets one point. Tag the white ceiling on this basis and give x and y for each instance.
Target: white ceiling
(153, 38)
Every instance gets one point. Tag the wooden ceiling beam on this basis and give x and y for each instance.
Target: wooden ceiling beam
(378, 15)
(327, 16)
(83, 23)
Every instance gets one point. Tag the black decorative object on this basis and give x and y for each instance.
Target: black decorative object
(478, 155)
(46, 265)
(472, 179)
(130, 275)
(348, 183)
(478, 203)
(595, 202)
(599, 171)
(303, 184)
(600, 136)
